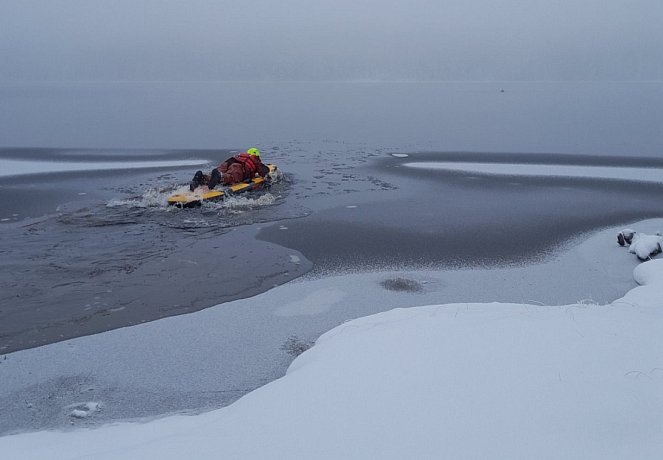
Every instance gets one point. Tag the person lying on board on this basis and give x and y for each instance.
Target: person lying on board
(241, 167)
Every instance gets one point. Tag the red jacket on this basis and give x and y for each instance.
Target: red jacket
(251, 163)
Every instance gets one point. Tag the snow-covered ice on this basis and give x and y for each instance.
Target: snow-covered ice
(515, 169)
(313, 304)
(454, 380)
(20, 167)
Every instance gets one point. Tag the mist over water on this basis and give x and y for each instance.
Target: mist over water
(331, 40)
(479, 75)
(598, 118)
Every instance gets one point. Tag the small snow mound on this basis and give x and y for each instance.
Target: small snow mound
(84, 410)
(649, 273)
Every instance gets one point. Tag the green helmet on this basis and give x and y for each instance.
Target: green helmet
(253, 151)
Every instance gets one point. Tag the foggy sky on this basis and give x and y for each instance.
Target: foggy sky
(331, 40)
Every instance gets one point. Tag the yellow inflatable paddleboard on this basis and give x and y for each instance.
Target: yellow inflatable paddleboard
(202, 193)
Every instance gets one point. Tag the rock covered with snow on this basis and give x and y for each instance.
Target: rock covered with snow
(645, 246)
(642, 245)
(625, 236)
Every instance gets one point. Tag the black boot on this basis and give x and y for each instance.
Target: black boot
(215, 179)
(197, 180)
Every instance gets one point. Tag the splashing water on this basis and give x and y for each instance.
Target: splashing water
(151, 207)
(239, 204)
(158, 198)
(151, 198)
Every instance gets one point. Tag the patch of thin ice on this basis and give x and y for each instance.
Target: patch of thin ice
(84, 410)
(314, 303)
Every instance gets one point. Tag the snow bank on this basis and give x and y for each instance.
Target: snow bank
(493, 380)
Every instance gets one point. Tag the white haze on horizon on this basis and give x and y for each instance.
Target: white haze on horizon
(331, 40)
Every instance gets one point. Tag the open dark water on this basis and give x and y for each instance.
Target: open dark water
(598, 118)
(83, 252)
(452, 219)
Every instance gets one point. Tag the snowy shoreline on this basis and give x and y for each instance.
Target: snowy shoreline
(486, 380)
(632, 173)
(9, 167)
